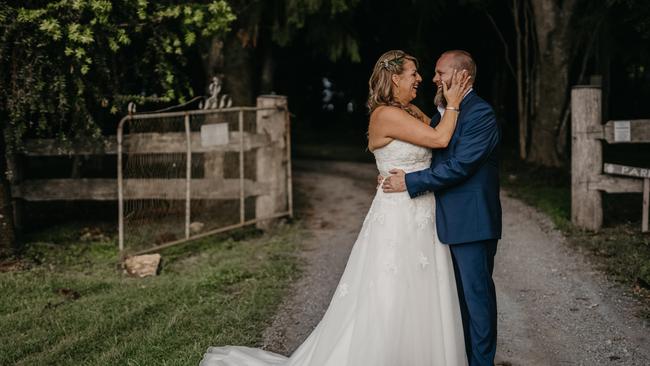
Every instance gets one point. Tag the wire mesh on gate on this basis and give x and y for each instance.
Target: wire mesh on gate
(185, 175)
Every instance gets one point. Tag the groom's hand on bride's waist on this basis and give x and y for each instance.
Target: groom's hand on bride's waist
(395, 182)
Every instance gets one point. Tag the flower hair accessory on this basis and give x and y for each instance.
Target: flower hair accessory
(396, 61)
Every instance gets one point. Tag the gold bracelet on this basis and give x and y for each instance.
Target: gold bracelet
(452, 109)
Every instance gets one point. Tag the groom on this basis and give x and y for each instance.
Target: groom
(465, 179)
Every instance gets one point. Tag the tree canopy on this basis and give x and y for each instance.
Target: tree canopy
(63, 64)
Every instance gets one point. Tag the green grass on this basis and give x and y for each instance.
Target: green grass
(619, 249)
(216, 291)
(547, 189)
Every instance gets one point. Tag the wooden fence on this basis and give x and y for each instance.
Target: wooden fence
(589, 176)
(270, 142)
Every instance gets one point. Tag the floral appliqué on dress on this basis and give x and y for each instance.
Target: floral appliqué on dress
(424, 261)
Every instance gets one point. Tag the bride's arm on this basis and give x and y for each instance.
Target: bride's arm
(395, 123)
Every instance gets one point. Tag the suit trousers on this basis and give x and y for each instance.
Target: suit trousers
(473, 267)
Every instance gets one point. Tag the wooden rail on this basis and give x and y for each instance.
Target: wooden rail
(148, 143)
(627, 132)
(106, 189)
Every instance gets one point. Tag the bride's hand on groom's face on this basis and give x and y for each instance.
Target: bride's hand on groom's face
(460, 83)
(396, 182)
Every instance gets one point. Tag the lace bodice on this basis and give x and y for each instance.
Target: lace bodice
(402, 155)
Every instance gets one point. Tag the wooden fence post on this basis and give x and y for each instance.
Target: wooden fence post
(646, 205)
(586, 156)
(271, 159)
(15, 164)
(213, 160)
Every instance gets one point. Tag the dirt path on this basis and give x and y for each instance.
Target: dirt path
(554, 308)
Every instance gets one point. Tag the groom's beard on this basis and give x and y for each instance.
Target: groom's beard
(439, 99)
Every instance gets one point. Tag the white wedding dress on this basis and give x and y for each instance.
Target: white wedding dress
(396, 303)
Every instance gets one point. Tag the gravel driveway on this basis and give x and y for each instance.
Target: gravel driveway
(554, 308)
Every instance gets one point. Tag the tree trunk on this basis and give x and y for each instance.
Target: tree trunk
(7, 233)
(238, 68)
(268, 67)
(551, 19)
(551, 84)
(212, 60)
(521, 51)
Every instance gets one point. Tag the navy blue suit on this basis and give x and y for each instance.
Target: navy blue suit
(465, 180)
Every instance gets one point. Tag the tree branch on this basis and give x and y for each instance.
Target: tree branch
(505, 45)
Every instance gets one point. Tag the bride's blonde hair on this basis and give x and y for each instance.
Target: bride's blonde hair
(380, 84)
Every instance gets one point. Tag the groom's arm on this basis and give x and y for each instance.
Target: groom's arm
(475, 144)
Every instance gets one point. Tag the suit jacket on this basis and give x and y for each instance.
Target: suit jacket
(465, 176)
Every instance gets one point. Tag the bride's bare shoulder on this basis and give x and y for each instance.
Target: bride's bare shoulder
(380, 125)
(386, 113)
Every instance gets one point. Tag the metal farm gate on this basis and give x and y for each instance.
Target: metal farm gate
(186, 175)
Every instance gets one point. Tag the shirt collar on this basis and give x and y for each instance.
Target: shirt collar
(441, 110)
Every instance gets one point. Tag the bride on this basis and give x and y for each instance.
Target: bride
(396, 303)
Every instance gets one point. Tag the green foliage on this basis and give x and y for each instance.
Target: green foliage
(336, 41)
(622, 250)
(64, 63)
(325, 26)
(548, 189)
(297, 11)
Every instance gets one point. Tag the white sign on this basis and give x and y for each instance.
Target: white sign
(214, 134)
(622, 131)
(629, 171)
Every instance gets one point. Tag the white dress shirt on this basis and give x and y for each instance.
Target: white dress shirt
(441, 110)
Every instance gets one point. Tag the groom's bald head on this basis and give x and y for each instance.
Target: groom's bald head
(461, 60)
